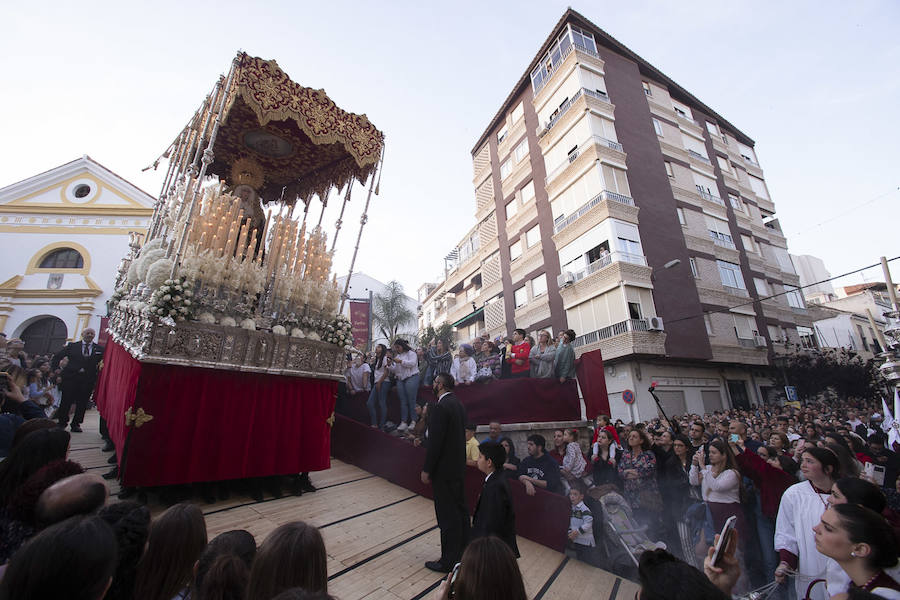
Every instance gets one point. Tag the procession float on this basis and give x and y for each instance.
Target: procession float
(226, 332)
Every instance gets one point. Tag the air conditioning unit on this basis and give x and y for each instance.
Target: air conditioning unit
(655, 324)
(760, 341)
(565, 278)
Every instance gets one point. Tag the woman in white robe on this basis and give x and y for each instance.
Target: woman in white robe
(800, 510)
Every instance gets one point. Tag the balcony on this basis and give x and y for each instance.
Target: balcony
(631, 336)
(635, 259)
(747, 342)
(606, 195)
(604, 275)
(562, 59)
(561, 112)
(710, 197)
(698, 156)
(583, 146)
(720, 239)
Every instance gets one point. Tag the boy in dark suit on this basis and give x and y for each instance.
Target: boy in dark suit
(494, 513)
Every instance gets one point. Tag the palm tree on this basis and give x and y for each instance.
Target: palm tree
(390, 311)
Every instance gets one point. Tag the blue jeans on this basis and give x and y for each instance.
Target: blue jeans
(408, 390)
(381, 398)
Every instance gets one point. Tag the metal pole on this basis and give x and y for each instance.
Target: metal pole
(205, 162)
(371, 333)
(362, 224)
(337, 225)
(324, 204)
(892, 291)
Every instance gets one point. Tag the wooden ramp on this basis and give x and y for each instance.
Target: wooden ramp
(378, 535)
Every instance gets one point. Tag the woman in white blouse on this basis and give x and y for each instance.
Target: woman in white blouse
(381, 385)
(405, 366)
(720, 485)
(464, 368)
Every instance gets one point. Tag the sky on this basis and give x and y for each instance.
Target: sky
(815, 84)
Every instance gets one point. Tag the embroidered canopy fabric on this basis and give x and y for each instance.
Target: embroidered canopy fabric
(304, 142)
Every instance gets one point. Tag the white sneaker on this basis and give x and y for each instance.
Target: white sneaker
(402, 427)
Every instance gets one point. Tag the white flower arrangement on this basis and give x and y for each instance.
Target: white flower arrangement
(146, 260)
(228, 322)
(279, 330)
(207, 317)
(167, 302)
(158, 272)
(297, 333)
(248, 324)
(338, 332)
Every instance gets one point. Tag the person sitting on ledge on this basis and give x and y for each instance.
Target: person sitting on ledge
(538, 469)
(472, 452)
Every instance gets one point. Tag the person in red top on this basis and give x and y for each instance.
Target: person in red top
(518, 355)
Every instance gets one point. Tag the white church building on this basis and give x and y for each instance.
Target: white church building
(64, 233)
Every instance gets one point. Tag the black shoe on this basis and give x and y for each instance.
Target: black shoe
(272, 485)
(75, 429)
(436, 565)
(108, 446)
(305, 484)
(111, 474)
(112, 460)
(295, 487)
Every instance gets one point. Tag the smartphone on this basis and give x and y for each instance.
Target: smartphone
(734, 438)
(724, 537)
(454, 573)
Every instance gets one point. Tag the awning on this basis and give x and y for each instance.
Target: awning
(472, 316)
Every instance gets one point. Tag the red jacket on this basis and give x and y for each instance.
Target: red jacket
(519, 352)
(770, 482)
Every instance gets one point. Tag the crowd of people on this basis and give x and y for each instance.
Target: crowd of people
(479, 361)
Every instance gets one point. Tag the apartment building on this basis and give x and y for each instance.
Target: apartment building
(610, 200)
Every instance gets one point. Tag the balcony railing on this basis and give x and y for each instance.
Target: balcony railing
(611, 331)
(570, 158)
(565, 106)
(564, 221)
(734, 291)
(746, 343)
(561, 60)
(605, 261)
(698, 156)
(710, 197)
(719, 240)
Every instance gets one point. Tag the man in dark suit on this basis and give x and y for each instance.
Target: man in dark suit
(78, 377)
(494, 510)
(445, 470)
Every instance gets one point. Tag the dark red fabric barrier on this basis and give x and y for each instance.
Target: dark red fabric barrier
(542, 518)
(505, 400)
(592, 379)
(211, 425)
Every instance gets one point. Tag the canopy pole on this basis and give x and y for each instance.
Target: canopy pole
(205, 162)
(362, 224)
(324, 204)
(337, 224)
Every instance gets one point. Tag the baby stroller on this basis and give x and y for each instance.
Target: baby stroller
(623, 538)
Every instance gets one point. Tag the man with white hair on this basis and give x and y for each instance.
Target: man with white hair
(78, 377)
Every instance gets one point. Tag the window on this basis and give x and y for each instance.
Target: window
(657, 127)
(505, 169)
(647, 90)
(517, 113)
(521, 296)
(759, 187)
(762, 287)
(511, 209)
(707, 320)
(521, 150)
(712, 128)
(731, 275)
(64, 258)
(776, 334)
(794, 297)
(749, 246)
(539, 285)
(598, 253)
(528, 192)
(736, 203)
(634, 310)
(807, 339)
(724, 164)
(669, 170)
(681, 219)
(515, 251)
(583, 38)
(681, 110)
(630, 246)
(501, 135)
(532, 236)
(694, 270)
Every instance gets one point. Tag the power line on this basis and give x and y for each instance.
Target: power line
(846, 212)
(730, 308)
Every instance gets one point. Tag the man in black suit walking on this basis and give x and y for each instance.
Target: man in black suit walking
(78, 377)
(445, 470)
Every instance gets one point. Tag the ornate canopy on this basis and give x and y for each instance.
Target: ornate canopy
(303, 141)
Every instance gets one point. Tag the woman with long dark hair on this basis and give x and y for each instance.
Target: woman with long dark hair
(293, 555)
(405, 366)
(381, 385)
(511, 466)
(37, 449)
(487, 571)
(130, 523)
(637, 467)
(800, 510)
(177, 538)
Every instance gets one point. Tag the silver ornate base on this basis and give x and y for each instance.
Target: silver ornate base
(195, 344)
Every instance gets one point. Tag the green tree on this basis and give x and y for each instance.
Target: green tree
(443, 332)
(390, 312)
(843, 372)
